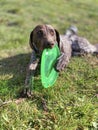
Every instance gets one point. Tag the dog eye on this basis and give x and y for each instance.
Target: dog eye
(51, 32)
(40, 33)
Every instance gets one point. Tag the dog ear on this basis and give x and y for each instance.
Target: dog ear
(31, 40)
(57, 37)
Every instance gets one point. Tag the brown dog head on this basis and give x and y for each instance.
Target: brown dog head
(43, 36)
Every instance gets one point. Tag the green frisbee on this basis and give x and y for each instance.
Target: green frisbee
(48, 72)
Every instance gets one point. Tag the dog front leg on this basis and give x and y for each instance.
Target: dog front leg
(64, 58)
(30, 74)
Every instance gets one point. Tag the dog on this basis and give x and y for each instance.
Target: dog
(45, 36)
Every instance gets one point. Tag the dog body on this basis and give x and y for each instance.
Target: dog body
(45, 36)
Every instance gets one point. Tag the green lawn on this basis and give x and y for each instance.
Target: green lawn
(72, 102)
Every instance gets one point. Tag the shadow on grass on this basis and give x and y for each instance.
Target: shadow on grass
(12, 74)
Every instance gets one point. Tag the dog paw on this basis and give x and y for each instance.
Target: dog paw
(26, 92)
(60, 66)
(61, 63)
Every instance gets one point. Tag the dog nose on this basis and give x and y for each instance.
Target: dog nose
(48, 44)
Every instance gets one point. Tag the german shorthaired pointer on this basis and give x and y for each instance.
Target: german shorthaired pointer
(45, 36)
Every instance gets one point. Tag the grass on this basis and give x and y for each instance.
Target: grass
(73, 100)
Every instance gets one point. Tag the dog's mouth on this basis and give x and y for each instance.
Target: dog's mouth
(51, 45)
